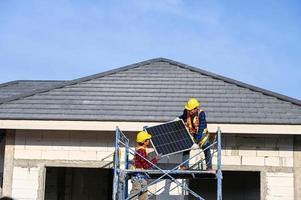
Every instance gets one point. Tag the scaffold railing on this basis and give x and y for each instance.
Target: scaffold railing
(122, 172)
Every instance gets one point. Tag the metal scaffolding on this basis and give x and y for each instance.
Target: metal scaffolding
(122, 174)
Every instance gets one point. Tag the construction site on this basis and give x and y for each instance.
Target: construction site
(76, 139)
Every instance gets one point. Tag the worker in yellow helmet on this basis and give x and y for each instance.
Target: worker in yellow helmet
(195, 121)
(140, 163)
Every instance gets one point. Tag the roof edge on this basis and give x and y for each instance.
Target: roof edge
(74, 81)
(18, 81)
(233, 81)
(8, 83)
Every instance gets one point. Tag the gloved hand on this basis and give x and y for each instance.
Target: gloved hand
(159, 156)
(195, 146)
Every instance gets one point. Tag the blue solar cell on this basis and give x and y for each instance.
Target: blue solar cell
(171, 137)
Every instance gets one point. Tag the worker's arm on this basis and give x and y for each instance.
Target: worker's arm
(202, 127)
(142, 163)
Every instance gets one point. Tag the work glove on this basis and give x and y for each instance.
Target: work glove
(195, 146)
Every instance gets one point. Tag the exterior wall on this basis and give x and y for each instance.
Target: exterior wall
(25, 183)
(273, 156)
(297, 166)
(8, 162)
(35, 150)
(279, 186)
(63, 145)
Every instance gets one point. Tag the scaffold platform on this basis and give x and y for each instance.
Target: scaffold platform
(177, 174)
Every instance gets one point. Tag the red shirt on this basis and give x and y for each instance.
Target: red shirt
(141, 163)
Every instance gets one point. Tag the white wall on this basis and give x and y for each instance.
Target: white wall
(267, 152)
(55, 146)
(271, 154)
(25, 183)
(280, 186)
(257, 150)
(62, 145)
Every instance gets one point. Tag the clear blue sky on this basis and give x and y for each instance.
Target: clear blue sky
(256, 42)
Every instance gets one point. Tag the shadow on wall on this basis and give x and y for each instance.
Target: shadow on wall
(257, 142)
(64, 138)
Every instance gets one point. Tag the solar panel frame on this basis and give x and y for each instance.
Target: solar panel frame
(177, 138)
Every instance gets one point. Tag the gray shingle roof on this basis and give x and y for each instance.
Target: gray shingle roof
(154, 90)
(13, 89)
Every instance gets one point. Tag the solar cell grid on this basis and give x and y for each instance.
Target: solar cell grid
(170, 138)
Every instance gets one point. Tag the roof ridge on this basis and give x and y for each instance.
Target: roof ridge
(75, 81)
(131, 66)
(236, 82)
(41, 80)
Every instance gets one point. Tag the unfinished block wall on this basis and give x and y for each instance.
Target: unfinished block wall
(271, 155)
(34, 150)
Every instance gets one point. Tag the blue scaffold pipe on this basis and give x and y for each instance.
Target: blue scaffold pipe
(116, 157)
(219, 163)
(126, 158)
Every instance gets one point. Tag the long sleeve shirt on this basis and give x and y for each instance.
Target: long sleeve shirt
(141, 163)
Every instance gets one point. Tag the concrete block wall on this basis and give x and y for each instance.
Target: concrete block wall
(272, 155)
(266, 153)
(25, 183)
(55, 147)
(257, 150)
(280, 186)
(63, 145)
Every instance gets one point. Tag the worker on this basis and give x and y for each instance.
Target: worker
(195, 121)
(140, 163)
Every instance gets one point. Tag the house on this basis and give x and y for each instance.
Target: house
(57, 137)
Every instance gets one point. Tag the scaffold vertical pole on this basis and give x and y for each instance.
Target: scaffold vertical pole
(116, 160)
(126, 158)
(219, 164)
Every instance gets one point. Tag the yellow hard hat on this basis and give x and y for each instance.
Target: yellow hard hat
(192, 104)
(142, 136)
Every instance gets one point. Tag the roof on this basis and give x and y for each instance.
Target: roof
(155, 91)
(13, 89)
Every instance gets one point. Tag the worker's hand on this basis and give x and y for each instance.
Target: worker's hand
(159, 156)
(195, 146)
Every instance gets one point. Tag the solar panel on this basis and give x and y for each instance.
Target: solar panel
(169, 138)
